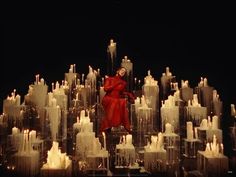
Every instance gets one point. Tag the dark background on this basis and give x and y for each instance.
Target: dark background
(191, 46)
(194, 43)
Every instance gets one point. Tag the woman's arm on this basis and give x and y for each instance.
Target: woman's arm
(130, 95)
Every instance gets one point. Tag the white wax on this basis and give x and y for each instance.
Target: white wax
(129, 139)
(104, 139)
(215, 122)
(168, 128)
(189, 130)
(196, 134)
(14, 130)
(33, 135)
(204, 124)
(54, 102)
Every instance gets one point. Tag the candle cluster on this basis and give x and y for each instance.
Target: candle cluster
(13, 99)
(22, 142)
(214, 148)
(194, 102)
(170, 102)
(184, 84)
(86, 142)
(125, 151)
(203, 82)
(83, 123)
(56, 159)
(208, 124)
(149, 80)
(156, 144)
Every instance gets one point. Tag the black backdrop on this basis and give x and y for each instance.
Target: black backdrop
(47, 46)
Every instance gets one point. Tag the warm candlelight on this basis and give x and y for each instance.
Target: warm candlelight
(104, 139)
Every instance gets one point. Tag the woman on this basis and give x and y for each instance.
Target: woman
(114, 102)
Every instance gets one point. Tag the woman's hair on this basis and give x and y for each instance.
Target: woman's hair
(118, 69)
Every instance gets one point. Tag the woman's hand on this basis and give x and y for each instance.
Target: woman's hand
(131, 97)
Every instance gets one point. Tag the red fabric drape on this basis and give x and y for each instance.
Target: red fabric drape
(114, 104)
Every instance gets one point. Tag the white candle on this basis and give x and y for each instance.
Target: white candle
(104, 139)
(82, 78)
(37, 78)
(209, 122)
(208, 149)
(168, 128)
(52, 86)
(215, 122)
(123, 140)
(222, 148)
(232, 110)
(74, 68)
(204, 124)
(71, 69)
(14, 131)
(57, 85)
(189, 130)
(42, 81)
(129, 139)
(54, 102)
(196, 135)
(77, 96)
(32, 135)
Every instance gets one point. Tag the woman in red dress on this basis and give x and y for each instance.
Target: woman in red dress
(114, 102)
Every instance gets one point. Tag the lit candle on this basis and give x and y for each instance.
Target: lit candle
(168, 128)
(104, 139)
(37, 78)
(204, 124)
(71, 69)
(129, 139)
(74, 68)
(208, 149)
(209, 122)
(222, 148)
(139, 84)
(135, 82)
(82, 78)
(232, 110)
(196, 135)
(189, 130)
(123, 140)
(14, 130)
(57, 85)
(215, 122)
(32, 135)
(52, 87)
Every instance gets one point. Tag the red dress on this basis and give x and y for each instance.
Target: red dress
(114, 104)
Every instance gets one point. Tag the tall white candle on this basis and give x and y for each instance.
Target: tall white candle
(14, 131)
(32, 135)
(83, 78)
(196, 135)
(232, 110)
(104, 139)
(129, 139)
(189, 130)
(168, 128)
(215, 122)
(222, 148)
(204, 124)
(74, 68)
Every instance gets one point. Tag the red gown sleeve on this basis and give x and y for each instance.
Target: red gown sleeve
(130, 96)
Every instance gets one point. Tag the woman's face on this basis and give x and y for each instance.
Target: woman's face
(122, 72)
